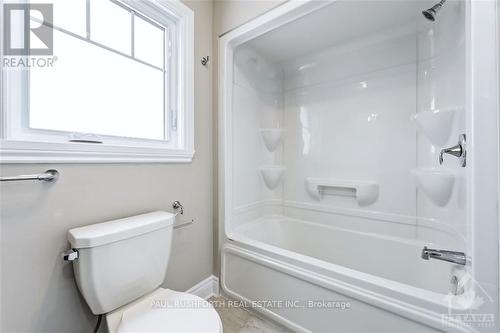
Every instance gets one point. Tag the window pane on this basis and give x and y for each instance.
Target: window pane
(111, 25)
(93, 90)
(148, 42)
(69, 15)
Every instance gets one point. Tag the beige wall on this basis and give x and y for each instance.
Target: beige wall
(228, 14)
(38, 289)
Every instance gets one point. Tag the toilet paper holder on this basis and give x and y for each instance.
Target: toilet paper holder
(177, 206)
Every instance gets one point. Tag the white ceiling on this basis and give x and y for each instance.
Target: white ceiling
(338, 23)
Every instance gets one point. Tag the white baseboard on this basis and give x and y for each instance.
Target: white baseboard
(206, 288)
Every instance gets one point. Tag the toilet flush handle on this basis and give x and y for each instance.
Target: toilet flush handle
(70, 255)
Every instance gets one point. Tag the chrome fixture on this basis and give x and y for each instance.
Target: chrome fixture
(430, 13)
(70, 255)
(205, 60)
(458, 258)
(177, 205)
(48, 176)
(457, 151)
(182, 225)
(457, 287)
(454, 285)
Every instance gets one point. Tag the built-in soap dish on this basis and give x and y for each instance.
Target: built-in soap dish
(437, 184)
(272, 137)
(272, 175)
(436, 125)
(365, 192)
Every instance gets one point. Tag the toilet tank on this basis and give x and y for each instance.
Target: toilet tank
(121, 260)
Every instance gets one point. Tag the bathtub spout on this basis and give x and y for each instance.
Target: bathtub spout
(458, 258)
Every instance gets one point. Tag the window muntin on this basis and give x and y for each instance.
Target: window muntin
(111, 25)
(118, 103)
(111, 82)
(69, 15)
(149, 41)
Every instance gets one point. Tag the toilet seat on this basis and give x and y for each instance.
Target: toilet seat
(165, 311)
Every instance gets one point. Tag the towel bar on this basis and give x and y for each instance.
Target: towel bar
(48, 176)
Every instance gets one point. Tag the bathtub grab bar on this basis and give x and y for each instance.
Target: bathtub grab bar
(48, 176)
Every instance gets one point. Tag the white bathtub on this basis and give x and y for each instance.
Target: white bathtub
(388, 286)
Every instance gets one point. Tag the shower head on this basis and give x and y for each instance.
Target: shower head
(430, 13)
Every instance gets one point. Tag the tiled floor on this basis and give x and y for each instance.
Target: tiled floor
(240, 320)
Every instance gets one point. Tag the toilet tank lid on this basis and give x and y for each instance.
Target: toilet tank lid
(115, 230)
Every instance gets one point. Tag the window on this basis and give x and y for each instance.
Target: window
(118, 86)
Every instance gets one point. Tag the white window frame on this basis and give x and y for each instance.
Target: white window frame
(18, 147)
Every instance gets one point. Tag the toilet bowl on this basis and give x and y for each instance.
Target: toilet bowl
(165, 310)
(119, 268)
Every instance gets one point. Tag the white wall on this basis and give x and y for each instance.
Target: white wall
(258, 103)
(38, 289)
(347, 111)
(229, 14)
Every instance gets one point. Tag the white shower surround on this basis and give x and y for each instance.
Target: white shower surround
(255, 232)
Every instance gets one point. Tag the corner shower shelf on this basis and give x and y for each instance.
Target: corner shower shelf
(437, 184)
(365, 192)
(272, 137)
(272, 175)
(436, 125)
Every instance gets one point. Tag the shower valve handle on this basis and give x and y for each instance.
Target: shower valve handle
(457, 151)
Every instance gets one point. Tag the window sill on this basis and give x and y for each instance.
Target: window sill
(19, 152)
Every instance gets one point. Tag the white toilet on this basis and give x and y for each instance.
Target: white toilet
(119, 269)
